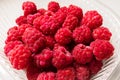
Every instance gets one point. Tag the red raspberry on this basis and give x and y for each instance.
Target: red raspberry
(63, 10)
(53, 6)
(66, 74)
(95, 66)
(46, 76)
(82, 54)
(76, 11)
(50, 27)
(41, 11)
(102, 33)
(102, 49)
(82, 73)
(40, 20)
(34, 39)
(10, 45)
(70, 22)
(29, 8)
(19, 56)
(30, 17)
(61, 57)
(50, 41)
(44, 58)
(63, 36)
(21, 20)
(82, 34)
(92, 19)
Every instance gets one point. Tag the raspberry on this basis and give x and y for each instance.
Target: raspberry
(66, 74)
(92, 19)
(82, 73)
(10, 45)
(102, 49)
(44, 58)
(50, 41)
(82, 34)
(34, 39)
(63, 10)
(21, 20)
(76, 11)
(46, 76)
(50, 27)
(63, 36)
(40, 20)
(61, 57)
(30, 17)
(53, 6)
(70, 22)
(102, 33)
(95, 66)
(19, 56)
(29, 8)
(82, 54)
(41, 11)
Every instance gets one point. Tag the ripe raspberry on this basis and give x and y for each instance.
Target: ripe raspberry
(76, 11)
(40, 20)
(29, 8)
(46, 76)
(10, 45)
(82, 73)
(95, 66)
(82, 54)
(41, 11)
(102, 33)
(50, 41)
(63, 10)
(102, 49)
(34, 39)
(50, 27)
(63, 36)
(92, 19)
(82, 34)
(19, 56)
(71, 22)
(66, 74)
(53, 6)
(44, 58)
(30, 17)
(21, 20)
(61, 57)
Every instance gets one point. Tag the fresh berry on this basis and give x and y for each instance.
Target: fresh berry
(21, 20)
(102, 49)
(70, 22)
(92, 19)
(50, 41)
(46, 76)
(63, 10)
(41, 11)
(76, 11)
(95, 66)
(34, 39)
(63, 36)
(66, 74)
(31, 17)
(102, 33)
(82, 54)
(61, 57)
(53, 6)
(82, 34)
(10, 45)
(29, 8)
(44, 58)
(50, 27)
(19, 56)
(82, 73)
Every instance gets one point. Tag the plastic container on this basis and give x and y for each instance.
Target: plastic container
(10, 9)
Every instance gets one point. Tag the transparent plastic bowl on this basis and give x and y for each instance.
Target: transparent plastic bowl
(10, 9)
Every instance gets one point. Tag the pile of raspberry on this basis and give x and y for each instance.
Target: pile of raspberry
(58, 43)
